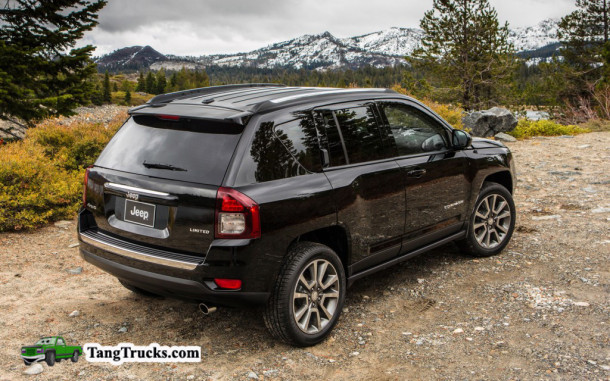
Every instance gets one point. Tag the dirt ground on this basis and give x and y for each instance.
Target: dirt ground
(539, 310)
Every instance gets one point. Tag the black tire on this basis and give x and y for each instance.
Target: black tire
(280, 316)
(471, 245)
(50, 358)
(74, 357)
(27, 363)
(137, 290)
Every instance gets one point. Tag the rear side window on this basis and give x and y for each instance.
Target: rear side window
(414, 132)
(188, 150)
(282, 151)
(353, 135)
(301, 140)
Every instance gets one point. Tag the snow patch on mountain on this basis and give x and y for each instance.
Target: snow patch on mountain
(534, 37)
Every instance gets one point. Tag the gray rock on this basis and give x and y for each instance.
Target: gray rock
(34, 369)
(252, 375)
(270, 372)
(544, 218)
(74, 313)
(123, 329)
(505, 137)
(490, 122)
(600, 210)
(76, 244)
(75, 271)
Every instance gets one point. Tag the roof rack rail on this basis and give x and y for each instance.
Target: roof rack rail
(166, 98)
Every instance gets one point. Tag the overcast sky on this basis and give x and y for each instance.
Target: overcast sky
(198, 27)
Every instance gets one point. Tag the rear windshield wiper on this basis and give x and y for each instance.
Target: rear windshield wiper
(163, 166)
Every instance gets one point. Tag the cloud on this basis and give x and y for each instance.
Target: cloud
(197, 27)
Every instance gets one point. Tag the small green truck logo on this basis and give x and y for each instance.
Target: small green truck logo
(50, 349)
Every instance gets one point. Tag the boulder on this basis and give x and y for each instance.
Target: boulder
(505, 137)
(490, 122)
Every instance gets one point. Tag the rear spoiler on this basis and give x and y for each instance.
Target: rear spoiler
(189, 111)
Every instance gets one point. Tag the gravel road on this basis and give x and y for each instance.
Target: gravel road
(539, 310)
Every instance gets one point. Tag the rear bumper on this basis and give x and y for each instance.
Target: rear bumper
(178, 276)
(172, 286)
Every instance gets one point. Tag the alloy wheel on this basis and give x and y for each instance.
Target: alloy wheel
(316, 296)
(492, 221)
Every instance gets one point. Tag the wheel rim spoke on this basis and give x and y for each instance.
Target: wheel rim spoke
(502, 228)
(327, 314)
(316, 293)
(299, 295)
(479, 225)
(314, 275)
(332, 279)
(504, 215)
(298, 315)
(322, 273)
(305, 283)
(500, 206)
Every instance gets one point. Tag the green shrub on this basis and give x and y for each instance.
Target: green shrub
(528, 128)
(41, 176)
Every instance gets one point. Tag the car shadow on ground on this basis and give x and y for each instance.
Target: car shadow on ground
(231, 330)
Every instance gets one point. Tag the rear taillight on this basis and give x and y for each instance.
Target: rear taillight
(237, 215)
(85, 186)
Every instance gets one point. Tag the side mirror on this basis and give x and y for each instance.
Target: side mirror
(461, 139)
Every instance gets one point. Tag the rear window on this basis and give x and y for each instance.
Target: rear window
(187, 150)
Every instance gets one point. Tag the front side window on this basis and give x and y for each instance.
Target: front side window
(60, 342)
(413, 131)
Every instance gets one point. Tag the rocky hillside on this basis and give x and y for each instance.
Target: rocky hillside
(325, 51)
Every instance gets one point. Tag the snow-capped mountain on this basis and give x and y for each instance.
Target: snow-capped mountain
(131, 58)
(393, 41)
(322, 51)
(534, 37)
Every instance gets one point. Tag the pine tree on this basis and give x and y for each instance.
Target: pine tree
(584, 37)
(41, 73)
(141, 83)
(466, 51)
(106, 94)
(150, 83)
(128, 97)
(161, 82)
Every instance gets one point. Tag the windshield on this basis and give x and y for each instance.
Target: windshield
(192, 150)
(46, 340)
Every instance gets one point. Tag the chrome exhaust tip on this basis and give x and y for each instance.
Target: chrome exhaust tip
(206, 310)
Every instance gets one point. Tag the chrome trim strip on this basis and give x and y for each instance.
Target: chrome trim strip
(127, 188)
(137, 255)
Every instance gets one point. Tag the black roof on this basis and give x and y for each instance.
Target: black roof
(237, 102)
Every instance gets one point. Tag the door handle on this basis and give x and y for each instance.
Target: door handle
(416, 172)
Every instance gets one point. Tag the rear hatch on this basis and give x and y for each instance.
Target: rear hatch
(155, 183)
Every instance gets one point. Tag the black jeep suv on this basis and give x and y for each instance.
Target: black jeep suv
(284, 196)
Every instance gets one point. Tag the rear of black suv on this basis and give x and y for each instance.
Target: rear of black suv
(283, 196)
(156, 216)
